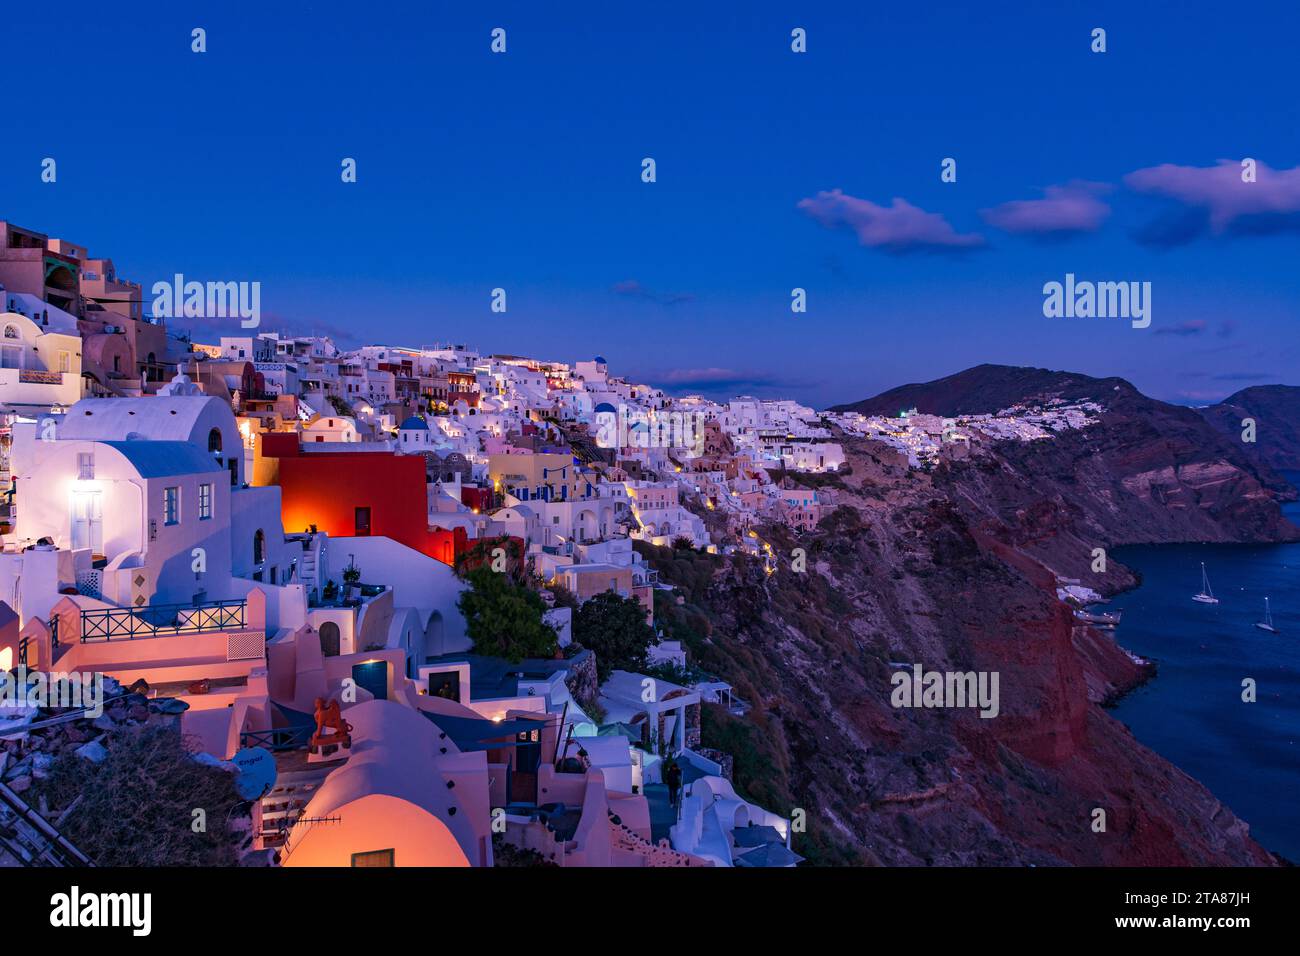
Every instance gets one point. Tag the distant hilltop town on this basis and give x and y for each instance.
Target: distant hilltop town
(281, 549)
(922, 438)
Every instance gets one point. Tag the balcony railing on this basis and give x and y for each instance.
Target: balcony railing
(161, 620)
(364, 593)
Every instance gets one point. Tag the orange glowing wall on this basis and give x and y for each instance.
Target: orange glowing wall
(325, 489)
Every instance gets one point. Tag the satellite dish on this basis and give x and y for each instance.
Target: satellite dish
(257, 772)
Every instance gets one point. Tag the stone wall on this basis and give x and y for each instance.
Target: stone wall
(581, 678)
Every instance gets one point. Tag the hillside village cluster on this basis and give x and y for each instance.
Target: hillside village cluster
(922, 438)
(263, 539)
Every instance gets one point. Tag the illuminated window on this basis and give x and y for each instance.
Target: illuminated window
(374, 858)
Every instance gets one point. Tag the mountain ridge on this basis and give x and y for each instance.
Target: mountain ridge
(1275, 410)
(987, 388)
(1216, 431)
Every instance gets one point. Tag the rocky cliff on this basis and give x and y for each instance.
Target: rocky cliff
(1275, 410)
(956, 571)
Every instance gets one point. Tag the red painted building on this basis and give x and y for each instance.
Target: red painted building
(482, 500)
(359, 493)
(462, 386)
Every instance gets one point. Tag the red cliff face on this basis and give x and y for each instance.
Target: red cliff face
(957, 572)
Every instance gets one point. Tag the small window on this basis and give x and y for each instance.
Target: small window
(86, 466)
(171, 505)
(205, 502)
(374, 858)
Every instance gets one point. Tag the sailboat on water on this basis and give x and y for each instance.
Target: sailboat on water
(1267, 623)
(1206, 596)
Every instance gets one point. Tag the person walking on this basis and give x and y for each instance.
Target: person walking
(673, 778)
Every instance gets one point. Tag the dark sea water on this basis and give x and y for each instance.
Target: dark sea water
(1248, 755)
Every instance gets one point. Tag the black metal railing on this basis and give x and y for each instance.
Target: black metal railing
(278, 738)
(160, 620)
(23, 644)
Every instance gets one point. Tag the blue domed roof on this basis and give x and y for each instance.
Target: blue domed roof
(415, 421)
(601, 359)
(606, 407)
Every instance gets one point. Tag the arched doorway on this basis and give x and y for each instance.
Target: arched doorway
(586, 529)
(11, 351)
(329, 639)
(433, 636)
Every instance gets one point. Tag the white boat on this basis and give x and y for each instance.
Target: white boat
(1267, 623)
(1206, 596)
(1099, 620)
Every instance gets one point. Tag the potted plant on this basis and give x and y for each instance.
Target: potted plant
(351, 581)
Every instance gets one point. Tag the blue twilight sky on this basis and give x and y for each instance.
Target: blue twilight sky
(523, 171)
